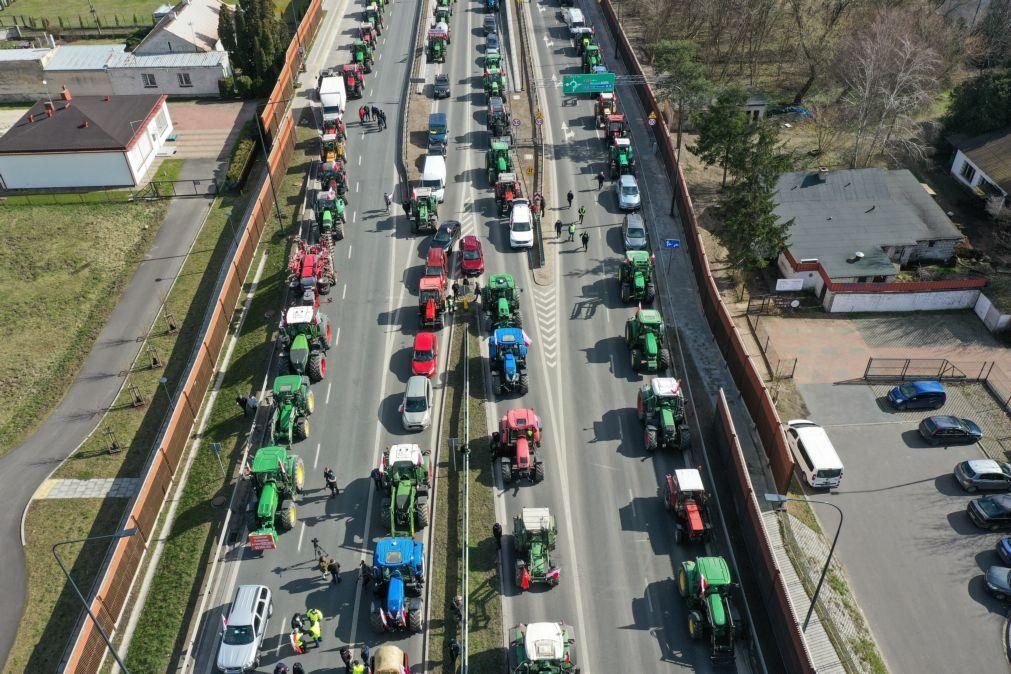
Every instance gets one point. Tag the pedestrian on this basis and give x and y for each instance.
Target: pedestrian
(317, 550)
(334, 569)
(600, 181)
(585, 238)
(331, 481)
(357, 668)
(241, 402)
(377, 478)
(654, 146)
(454, 652)
(345, 654)
(477, 290)
(458, 607)
(297, 622)
(322, 565)
(382, 116)
(570, 196)
(388, 198)
(375, 112)
(456, 289)
(297, 668)
(407, 207)
(540, 198)
(496, 531)
(558, 229)
(366, 653)
(582, 212)
(365, 573)
(362, 115)
(281, 668)
(572, 231)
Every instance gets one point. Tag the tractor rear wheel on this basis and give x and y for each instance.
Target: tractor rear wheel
(310, 402)
(316, 368)
(324, 287)
(507, 473)
(377, 622)
(650, 440)
(415, 618)
(664, 359)
(682, 582)
(298, 475)
(286, 516)
(538, 472)
(625, 293)
(636, 359)
(301, 428)
(338, 231)
(696, 625)
(421, 517)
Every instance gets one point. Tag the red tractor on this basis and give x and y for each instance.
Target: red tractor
(685, 496)
(515, 443)
(354, 79)
(310, 271)
(335, 128)
(431, 303)
(615, 126)
(437, 266)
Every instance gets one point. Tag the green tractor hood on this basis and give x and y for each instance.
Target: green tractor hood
(639, 282)
(503, 307)
(667, 421)
(650, 346)
(717, 610)
(298, 354)
(267, 506)
(285, 416)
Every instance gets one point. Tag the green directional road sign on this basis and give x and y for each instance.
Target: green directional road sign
(588, 84)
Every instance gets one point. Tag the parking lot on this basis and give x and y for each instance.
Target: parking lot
(914, 559)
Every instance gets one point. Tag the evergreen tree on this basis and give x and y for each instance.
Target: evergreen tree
(980, 105)
(723, 130)
(255, 40)
(751, 231)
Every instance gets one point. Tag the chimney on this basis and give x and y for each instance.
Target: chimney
(84, 125)
(822, 173)
(857, 256)
(49, 109)
(65, 94)
(31, 118)
(49, 113)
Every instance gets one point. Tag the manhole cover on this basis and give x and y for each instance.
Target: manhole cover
(218, 501)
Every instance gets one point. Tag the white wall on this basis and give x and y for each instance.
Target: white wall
(991, 316)
(837, 302)
(142, 154)
(812, 279)
(128, 81)
(77, 169)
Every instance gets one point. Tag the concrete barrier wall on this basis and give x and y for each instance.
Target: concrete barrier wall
(836, 302)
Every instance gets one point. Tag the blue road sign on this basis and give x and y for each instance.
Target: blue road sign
(672, 243)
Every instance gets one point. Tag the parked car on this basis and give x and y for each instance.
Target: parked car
(626, 189)
(491, 42)
(991, 512)
(983, 474)
(633, 232)
(917, 395)
(441, 89)
(490, 25)
(472, 258)
(1004, 549)
(521, 229)
(424, 360)
(948, 430)
(416, 409)
(815, 457)
(998, 582)
(244, 629)
(445, 237)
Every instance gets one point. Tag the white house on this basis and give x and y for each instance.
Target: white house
(84, 141)
(984, 162)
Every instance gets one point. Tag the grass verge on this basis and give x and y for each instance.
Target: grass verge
(56, 292)
(74, 12)
(171, 602)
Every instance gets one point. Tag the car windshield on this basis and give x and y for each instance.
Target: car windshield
(442, 79)
(990, 507)
(424, 356)
(238, 635)
(433, 271)
(908, 390)
(521, 226)
(829, 473)
(417, 404)
(433, 183)
(471, 254)
(636, 233)
(442, 236)
(930, 425)
(630, 190)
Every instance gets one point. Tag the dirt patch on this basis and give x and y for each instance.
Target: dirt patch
(417, 128)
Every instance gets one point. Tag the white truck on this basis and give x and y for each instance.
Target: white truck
(332, 96)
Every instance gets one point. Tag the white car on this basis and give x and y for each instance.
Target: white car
(521, 225)
(626, 189)
(416, 410)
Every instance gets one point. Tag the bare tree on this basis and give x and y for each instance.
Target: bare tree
(817, 24)
(889, 75)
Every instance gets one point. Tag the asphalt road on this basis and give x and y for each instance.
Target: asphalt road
(914, 559)
(374, 319)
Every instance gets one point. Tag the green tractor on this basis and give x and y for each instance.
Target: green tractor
(708, 591)
(635, 278)
(406, 478)
(492, 60)
(437, 41)
(424, 210)
(622, 158)
(542, 648)
(497, 121)
(278, 478)
(501, 303)
(442, 14)
(494, 82)
(293, 402)
(534, 537)
(305, 337)
(660, 406)
(644, 335)
(591, 58)
(331, 213)
(498, 160)
(374, 17)
(362, 54)
(583, 38)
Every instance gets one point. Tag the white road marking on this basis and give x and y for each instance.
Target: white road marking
(370, 96)
(359, 163)
(315, 461)
(301, 532)
(350, 248)
(280, 638)
(337, 339)
(354, 217)
(631, 499)
(344, 293)
(356, 183)
(327, 401)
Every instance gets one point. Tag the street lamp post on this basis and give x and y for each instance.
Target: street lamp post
(779, 498)
(126, 533)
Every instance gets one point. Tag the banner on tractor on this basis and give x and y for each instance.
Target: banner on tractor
(262, 542)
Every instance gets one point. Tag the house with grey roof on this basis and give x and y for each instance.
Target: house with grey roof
(860, 226)
(983, 163)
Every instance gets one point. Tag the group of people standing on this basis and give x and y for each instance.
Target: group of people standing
(370, 113)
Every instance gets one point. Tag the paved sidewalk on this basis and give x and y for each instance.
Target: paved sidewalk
(95, 389)
(104, 487)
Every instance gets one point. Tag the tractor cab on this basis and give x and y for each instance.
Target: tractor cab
(686, 497)
(331, 212)
(535, 535)
(331, 149)
(582, 37)
(635, 277)
(332, 176)
(367, 33)
(622, 158)
(542, 648)
(278, 478)
(507, 350)
(354, 78)
(335, 128)
(494, 81)
(591, 58)
(362, 55)
(373, 17)
(644, 335)
(431, 302)
(660, 406)
(305, 336)
(616, 127)
(516, 443)
(292, 402)
(437, 41)
(497, 159)
(424, 210)
(497, 121)
(442, 14)
(507, 188)
(398, 571)
(707, 588)
(501, 303)
(605, 107)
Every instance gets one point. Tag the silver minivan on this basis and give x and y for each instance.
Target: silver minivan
(245, 628)
(416, 410)
(633, 232)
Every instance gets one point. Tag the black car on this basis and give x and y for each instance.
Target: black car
(442, 85)
(491, 42)
(446, 236)
(948, 430)
(991, 512)
(490, 25)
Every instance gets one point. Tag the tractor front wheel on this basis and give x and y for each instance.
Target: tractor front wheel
(650, 293)
(538, 472)
(640, 408)
(414, 619)
(682, 582)
(629, 337)
(650, 439)
(696, 626)
(679, 534)
(625, 293)
(310, 402)
(421, 517)
(317, 367)
(287, 517)
(324, 287)
(636, 359)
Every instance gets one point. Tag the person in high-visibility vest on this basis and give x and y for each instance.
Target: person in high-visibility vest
(357, 668)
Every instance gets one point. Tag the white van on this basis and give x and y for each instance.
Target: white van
(245, 628)
(575, 20)
(815, 456)
(433, 175)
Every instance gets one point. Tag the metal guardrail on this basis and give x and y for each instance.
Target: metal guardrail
(537, 137)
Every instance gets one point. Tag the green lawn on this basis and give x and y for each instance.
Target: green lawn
(62, 268)
(70, 10)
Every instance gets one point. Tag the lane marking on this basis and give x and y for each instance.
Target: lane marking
(354, 217)
(337, 339)
(301, 532)
(315, 461)
(344, 293)
(327, 401)
(350, 248)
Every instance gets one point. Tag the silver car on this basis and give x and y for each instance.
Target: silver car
(416, 410)
(983, 475)
(633, 232)
(244, 629)
(626, 190)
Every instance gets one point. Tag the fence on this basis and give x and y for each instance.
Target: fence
(985, 372)
(54, 24)
(159, 189)
(779, 368)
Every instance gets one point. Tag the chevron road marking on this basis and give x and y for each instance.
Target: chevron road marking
(546, 318)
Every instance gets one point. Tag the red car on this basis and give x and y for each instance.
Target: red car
(425, 357)
(472, 260)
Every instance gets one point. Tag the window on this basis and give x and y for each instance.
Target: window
(184, 79)
(803, 455)
(149, 81)
(968, 172)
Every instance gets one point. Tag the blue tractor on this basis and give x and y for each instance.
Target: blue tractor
(398, 575)
(507, 350)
